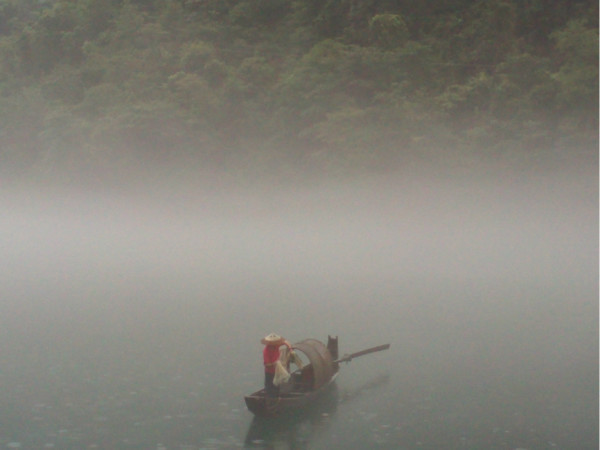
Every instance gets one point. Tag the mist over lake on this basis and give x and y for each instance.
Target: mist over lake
(132, 318)
(179, 179)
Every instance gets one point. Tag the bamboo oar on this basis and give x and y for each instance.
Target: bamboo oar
(348, 358)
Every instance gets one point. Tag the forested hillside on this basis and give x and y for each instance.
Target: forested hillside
(105, 84)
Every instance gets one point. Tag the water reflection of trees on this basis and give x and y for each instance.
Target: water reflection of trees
(297, 430)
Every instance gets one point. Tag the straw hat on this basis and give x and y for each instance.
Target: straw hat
(272, 339)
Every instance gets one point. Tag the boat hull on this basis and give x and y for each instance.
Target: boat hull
(288, 403)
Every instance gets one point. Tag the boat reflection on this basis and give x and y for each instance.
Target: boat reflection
(297, 430)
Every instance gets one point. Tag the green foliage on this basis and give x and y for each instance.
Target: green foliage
(577, 46)
(63, 86)
(388, 30)
(193, 94)
(8, 13)
(350, 83)
(195, 55)
(251, 13)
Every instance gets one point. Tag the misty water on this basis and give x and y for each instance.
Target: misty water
(132, 318)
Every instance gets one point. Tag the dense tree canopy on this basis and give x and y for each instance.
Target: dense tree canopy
(106, 83)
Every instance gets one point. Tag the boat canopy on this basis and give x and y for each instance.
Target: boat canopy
(321, 362)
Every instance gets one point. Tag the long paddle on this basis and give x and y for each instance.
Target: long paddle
(348, 358)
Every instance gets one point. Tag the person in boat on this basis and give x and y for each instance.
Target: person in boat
(271, 355)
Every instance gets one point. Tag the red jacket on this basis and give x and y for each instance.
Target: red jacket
(270, 357)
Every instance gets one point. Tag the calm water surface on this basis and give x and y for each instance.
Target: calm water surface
(133, 321)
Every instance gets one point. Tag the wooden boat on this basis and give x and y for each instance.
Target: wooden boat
(308, 384)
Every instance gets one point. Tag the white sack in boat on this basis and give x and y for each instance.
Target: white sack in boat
(281, 375)
(290, 357)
